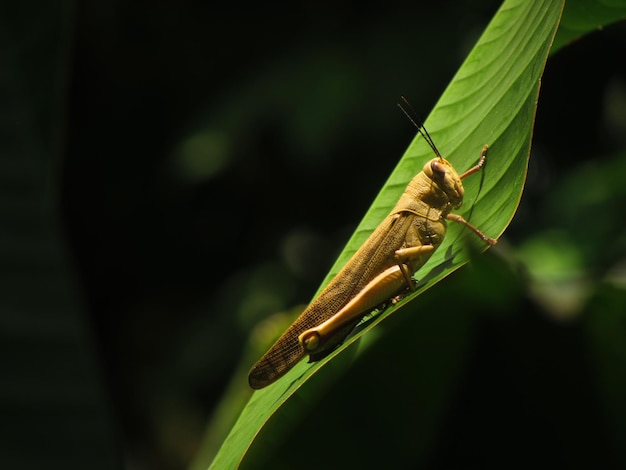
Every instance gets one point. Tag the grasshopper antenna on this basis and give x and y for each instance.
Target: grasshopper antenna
(412, 116)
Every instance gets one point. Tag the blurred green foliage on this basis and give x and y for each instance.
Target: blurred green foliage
(175, 172)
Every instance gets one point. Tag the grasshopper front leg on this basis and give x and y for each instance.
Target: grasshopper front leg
(377, 291)
(460, 220)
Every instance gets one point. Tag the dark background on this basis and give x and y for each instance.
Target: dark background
(210, 161)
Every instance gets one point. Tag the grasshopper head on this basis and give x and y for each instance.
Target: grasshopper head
(447, 179)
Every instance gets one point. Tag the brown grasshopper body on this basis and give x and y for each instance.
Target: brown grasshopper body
(381, 269)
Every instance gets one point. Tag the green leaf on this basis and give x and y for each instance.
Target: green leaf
(583, 16)
(492, 99)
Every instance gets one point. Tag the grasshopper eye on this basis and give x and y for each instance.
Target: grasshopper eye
(438, 168)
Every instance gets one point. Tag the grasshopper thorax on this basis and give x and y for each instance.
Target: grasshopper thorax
(443, 174)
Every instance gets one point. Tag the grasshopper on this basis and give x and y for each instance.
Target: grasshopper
(381, 268)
